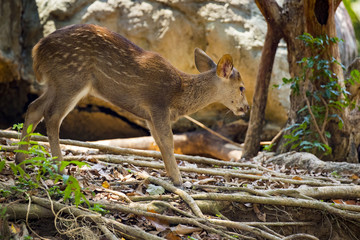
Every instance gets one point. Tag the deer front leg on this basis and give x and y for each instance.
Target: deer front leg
(161, 131)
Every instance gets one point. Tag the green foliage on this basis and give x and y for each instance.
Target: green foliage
(192, 238)
(2, 211)
(325, 97)
(354, 77)
(55, 192)
(5, 193)
(73, 187)
(45, 168)
(26, 184)
(335, 174)
(2, 165)
(18, 126)
(99, 208)
(268, 148)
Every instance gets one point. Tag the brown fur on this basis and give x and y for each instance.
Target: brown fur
(86, 59)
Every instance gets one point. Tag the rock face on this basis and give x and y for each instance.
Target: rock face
(20, 30)
(10, 61)
(172, 28)
(10, 48)
(175, 28)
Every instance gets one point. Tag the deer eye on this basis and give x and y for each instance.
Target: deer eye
(242, 89)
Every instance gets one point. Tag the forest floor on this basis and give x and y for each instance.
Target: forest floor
(288, 196)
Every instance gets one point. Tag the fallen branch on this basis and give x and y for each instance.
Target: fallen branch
(308, 161)
(216, 172)
(212, 131)
(300, 236)
(332, 208)
(127, 151)
(200, 222)
(120, 194)
(8, 148)
(203, 160)
(169, 187)
(345, 192)
(19, 211)
(128, 230)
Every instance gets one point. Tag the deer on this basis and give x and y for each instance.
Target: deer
(84, 59)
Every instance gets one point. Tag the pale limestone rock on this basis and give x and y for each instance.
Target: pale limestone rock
(172, 28)
(175, 28)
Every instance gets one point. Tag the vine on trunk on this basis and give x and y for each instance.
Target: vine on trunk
(325, 98)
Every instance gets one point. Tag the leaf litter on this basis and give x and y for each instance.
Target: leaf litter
(234, 198)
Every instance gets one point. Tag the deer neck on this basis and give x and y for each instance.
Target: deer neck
(197, 91)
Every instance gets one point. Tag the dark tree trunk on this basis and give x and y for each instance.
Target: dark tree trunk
(261, 92)
(295, 18)
(271, 12)
(319, 19)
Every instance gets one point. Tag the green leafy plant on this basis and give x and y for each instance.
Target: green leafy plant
(55, 192)
(45, 167)
(26, 184)
(268, 147)
(5, 193)
(2, 211)
(73, 186)
(325, 98)
(192, 238)
(99, 208)
(18, 126)
(335, 174)
(2, 164)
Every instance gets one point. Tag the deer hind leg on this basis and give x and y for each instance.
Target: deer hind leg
(34, 115)
(60, 106)
(160, 128)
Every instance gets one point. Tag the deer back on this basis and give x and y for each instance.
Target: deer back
(115, 68)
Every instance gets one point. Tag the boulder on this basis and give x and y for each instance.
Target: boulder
(10, 45)
(10, 61)
(174, 28)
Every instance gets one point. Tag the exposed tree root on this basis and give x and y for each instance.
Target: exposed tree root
(210, 171)
(211, 188)
(80, 214)
(186, 197)
(19, 211)
(312, 163)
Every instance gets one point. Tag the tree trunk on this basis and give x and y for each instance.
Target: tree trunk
(294, 19)
(271, 11)
(256, 123)
(318, 18)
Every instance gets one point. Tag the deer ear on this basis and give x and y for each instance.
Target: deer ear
(203, 62)
(225, 66)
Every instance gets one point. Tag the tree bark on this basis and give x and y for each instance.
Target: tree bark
(295, 18)
(256, 123)
(318, 18)
(271, 11)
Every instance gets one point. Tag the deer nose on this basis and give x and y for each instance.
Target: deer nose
(244, 109)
